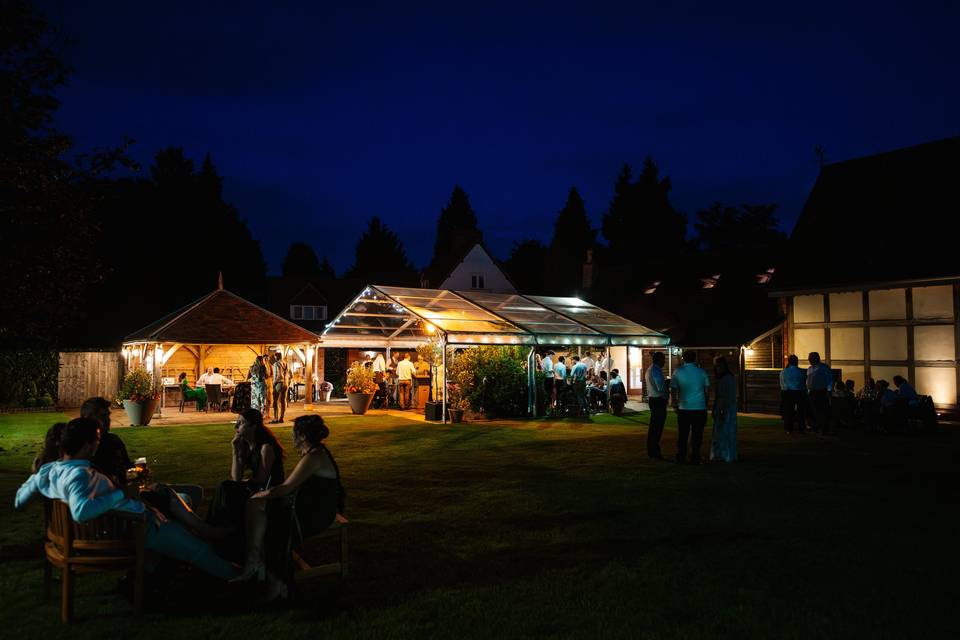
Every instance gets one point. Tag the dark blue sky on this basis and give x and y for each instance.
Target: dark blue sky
(321, 115)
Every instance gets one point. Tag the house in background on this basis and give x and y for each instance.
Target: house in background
(872, 282)
(477, 271)
(298, 300)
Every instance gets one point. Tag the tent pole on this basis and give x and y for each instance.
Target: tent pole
(532, 382)
(443, 344)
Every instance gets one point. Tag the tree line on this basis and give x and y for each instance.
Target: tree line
(90, 254)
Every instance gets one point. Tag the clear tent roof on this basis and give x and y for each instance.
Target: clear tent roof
(400, 316)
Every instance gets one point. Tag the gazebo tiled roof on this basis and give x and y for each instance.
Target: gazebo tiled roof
(222, 317)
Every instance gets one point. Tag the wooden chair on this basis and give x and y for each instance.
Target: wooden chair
(112, 542)
(337, 531)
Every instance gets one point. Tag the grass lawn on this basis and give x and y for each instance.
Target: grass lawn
(562, 529)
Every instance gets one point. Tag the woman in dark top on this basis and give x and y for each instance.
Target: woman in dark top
(257, 449)
(314, 484)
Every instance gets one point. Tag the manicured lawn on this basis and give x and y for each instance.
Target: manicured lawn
(562, 529)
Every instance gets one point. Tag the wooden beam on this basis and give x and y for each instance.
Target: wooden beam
(167, 354)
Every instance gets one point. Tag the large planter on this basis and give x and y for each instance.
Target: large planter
(359, 402)
(456, 415)
(140, 413)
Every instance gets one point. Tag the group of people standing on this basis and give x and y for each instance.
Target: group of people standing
(586, 380)
(87, 467)
(397, 380)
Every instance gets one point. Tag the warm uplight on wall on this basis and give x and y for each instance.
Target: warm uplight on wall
(748, 351)
(429, 328)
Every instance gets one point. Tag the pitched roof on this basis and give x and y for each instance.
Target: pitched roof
(443, 273)
(222, 317)
(877, 219)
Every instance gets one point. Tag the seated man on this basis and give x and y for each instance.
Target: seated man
(90, 494)
(216, 378)
(205, 377)
(111, 458)
(906, 391)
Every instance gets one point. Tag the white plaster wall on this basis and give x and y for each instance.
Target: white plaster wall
(846, 306)
(939, 382)
(886, 373)
(888, 343)
(807, 340)
(477, 261)
(851, 372)
(888, 304)
(808, 308)
(933, 302)
(846, 344)
(934, 343)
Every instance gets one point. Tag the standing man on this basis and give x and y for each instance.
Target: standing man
(691, 383)
(281, 378)
(549, 389)
(560, 383)
(405, 371)
(591, 364)
(578, 378)
(657, 398)
(793, 396)
(819, 385)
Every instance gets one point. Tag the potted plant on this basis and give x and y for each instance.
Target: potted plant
(456, 403)
(139, 397)
(360, 388)
(325, 390)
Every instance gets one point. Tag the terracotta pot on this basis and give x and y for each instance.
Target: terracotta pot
(359, 402)
(140, 413)
(456, 415)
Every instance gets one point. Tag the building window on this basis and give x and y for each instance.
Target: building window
(308, 312)
(476, 281)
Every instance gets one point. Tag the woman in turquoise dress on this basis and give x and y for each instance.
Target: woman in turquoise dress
(190, 394)
(724, 446)
(258, 385)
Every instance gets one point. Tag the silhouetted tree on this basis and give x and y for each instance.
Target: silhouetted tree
(381, 259)
(301, 262)
(327, 272)
(573, 236)
(642, 209)
(744, 238)
(457, 233)
(47, 262)
(527, 264)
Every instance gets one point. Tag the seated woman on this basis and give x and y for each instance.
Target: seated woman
(314, 483)
(190, 394)
(257, 450)
(51, 446)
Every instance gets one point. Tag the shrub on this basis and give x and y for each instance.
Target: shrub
(492, 380)
(138, 386)
(27, 373)
(44, 401)
(30, 402)
(360, 379)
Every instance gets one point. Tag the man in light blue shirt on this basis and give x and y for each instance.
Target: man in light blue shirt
(793, 396)
(819, 386)
(90, 494)
(578, 379)
(657, 399)
(690, 382)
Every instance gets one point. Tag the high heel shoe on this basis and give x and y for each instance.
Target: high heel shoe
(251, 569)
(276, 592)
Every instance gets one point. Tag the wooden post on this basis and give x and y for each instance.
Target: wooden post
(308, 353)
(201, 360)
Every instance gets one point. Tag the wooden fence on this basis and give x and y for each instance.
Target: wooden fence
(85, 374)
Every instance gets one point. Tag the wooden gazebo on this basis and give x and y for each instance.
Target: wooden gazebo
(222, 330)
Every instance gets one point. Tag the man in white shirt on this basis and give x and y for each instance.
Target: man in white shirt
(379, 378)
(205, 377)
(405, 371)
(819, 386)
(793, 396)
(549, 388)
(690, 382)
(90, 494)
(591, 364)
(216, 378)
(605, 363)
(657, 399)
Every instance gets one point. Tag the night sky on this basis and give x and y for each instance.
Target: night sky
(321, 115)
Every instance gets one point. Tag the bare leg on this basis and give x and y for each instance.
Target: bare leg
(185, 516)
(256, 521)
